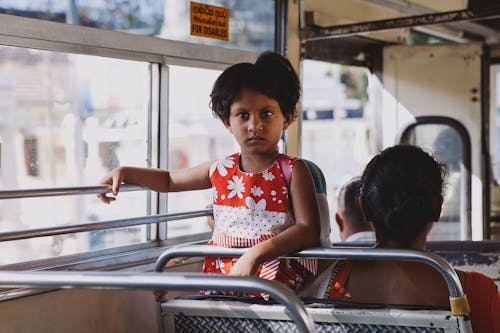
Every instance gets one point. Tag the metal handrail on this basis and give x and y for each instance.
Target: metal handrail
(441, 265)
(58, 191)
(155, 281)
(68, 229)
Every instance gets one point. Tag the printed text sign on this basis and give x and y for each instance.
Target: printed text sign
(209, 21)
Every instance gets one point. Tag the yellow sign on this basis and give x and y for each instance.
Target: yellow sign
(209, 21)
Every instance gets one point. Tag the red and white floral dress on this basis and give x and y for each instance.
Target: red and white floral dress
(250, 208)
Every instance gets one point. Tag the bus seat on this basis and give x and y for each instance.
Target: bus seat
(234, 315)
(206, 315)
(324, 211)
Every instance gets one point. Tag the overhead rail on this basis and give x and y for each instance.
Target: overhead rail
(315, 32)
(155, 281)
(407, 8)
(441, 265)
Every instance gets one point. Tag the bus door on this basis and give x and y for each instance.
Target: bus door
(431, 96)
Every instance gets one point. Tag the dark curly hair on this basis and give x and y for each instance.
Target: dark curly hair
(272, 75)
(401, 193)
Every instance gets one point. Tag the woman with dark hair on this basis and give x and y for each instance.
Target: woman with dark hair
(401, 196)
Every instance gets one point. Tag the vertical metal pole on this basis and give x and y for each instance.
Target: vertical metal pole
(163, 146)
(280, 33)
(149, 153)
(486, 168)
(280, 38)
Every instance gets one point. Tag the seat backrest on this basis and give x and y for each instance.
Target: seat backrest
(182, 316)
(320, 186)
(234, 317)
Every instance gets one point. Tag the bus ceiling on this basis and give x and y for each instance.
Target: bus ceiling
(354, 32)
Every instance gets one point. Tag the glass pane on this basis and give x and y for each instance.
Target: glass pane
(336, 126)
(251, 23)
(195, 136)
(447, 146)
(66, 120)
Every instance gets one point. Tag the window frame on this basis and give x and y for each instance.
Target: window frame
(60, 37)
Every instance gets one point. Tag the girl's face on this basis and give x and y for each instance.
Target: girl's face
(256, 121)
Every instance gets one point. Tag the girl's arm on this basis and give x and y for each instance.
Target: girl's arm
(158, 180)
(303, 234)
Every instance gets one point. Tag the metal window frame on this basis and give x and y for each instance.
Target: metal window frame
(54, 36)
(60, 37)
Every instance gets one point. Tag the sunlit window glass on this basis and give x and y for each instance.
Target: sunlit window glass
(195, 136)
(336, 125)
(66, 120)
(251, 23)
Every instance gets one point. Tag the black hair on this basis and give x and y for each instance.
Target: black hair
(348, 199)
(272, 75)
(401, 193)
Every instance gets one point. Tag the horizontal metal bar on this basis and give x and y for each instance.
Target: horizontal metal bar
(36, 33)
(59, 191)
(69, 229)
(441, 265)
(156, 281)
(314, 33)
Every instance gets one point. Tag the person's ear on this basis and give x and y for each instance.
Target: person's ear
(288, 120)
(340, 222)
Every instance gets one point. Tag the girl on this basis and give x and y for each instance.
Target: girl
(256, 103)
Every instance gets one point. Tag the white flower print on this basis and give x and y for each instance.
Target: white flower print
(268, 175)
(236, 186)
(284, 190)
(221, 165)
(256, 191)
(252, 205)
(273, 193)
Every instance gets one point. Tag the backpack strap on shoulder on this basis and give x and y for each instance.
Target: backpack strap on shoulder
(320, 187)
(284, 162)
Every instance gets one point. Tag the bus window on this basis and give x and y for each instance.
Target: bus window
(251, 23)
(195, 136)
(67, 119)
(446, 139)
(336, 124)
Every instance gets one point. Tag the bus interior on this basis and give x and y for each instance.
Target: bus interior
(86, 86)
